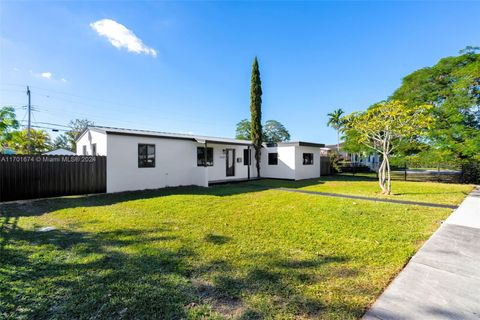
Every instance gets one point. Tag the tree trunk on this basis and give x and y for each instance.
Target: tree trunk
(389, 180)
(381, 175)
(338, 141)
(258, 156)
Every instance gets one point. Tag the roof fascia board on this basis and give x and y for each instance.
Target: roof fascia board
(177, 138)
(87, 129)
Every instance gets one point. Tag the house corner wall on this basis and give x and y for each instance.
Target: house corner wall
(307, 171)
(285, 169)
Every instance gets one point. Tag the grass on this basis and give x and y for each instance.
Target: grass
(233, 251)
(432, 192)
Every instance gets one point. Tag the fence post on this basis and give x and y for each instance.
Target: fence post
(405, 170)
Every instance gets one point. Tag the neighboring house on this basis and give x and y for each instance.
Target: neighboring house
(357, 159)
(140, 159)
(60, 152)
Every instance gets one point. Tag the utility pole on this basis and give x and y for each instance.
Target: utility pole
(29, 123)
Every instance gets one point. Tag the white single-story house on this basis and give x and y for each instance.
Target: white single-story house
(140, 159)
(60, 152)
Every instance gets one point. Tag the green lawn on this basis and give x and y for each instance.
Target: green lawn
(234, 251)
(444, 193)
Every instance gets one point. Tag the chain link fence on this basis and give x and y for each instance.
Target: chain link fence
(438, 172)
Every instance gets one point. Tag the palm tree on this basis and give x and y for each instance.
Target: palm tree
(335, 121)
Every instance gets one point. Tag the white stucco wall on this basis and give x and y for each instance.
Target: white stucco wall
(307, 171)
(175, 164)
(219, 168)
(90, 137)
(285, 169)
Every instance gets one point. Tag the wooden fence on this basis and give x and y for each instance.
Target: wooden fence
(40, 176)
(325, 166)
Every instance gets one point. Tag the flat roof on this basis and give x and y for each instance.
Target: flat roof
(296, 143)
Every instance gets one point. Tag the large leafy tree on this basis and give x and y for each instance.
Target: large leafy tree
(273, 131)
(452, 87)
(335, 120)
(39, 141)
(8, 122)
(62, 142)
(256, 113)
(77, 127)
(243, 130)
(384, 127)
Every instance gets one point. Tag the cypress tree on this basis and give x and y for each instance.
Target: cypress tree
(256, 112)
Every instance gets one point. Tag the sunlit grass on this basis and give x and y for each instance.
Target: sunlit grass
(432, 192)
(238, 251)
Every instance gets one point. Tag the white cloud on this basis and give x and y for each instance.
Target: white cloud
(46, 75)
(121, 37)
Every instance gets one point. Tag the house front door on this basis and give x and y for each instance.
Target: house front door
(230, 162)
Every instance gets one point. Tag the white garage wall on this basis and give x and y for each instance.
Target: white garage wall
(285, 169)
(175, 164)
(307, 171)
(90, 137)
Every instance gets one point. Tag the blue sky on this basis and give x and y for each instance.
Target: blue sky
(188, 69)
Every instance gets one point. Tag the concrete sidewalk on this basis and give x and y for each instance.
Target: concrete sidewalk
(442, 280)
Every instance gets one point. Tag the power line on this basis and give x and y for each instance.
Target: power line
(106, 118)
(53, 124)
(53, 129)
(111, 103)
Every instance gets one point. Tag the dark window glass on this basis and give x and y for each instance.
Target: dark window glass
(247, 157)
(84, 151)
(146, 155)
(201, 157)
(273, 158)
(94, 149)
(307, 158)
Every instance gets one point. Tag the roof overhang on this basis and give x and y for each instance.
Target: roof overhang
(301, 144)
(219, 141)
(199, 140)
(86, 130)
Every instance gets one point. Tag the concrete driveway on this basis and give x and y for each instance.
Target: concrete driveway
(442, 281)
